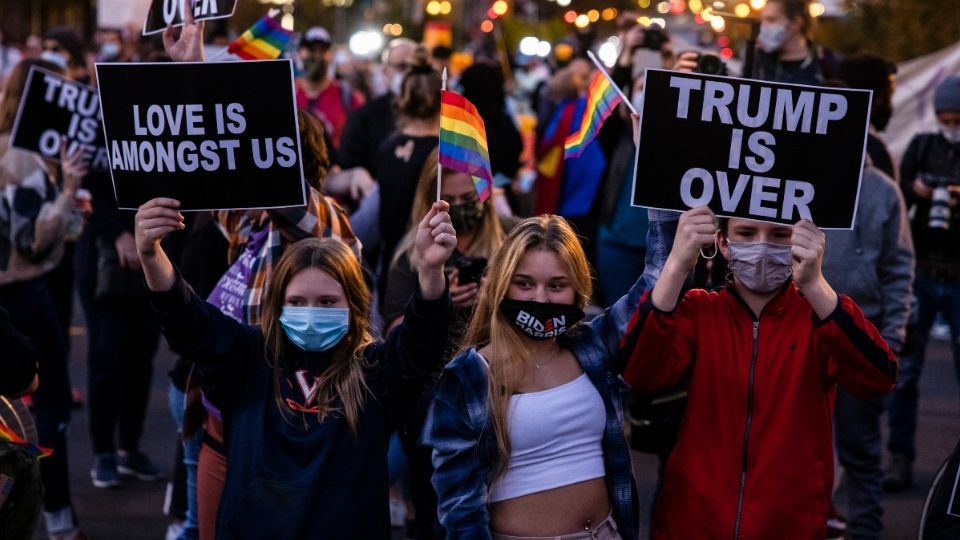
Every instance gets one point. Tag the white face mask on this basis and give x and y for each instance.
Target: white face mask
(951, 134)
(772, 37)
(55, 58)
(396, 83)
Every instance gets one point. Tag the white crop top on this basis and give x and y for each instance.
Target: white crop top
(555, 439)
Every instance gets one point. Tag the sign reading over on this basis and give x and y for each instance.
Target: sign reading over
(213, 136)
(751, 149)
(164, 13)
(53, 107)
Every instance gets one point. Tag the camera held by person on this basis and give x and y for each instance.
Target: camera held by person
(940, 212)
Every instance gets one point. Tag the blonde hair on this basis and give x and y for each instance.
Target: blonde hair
(508, 350)
(489, 234)
(344, 378)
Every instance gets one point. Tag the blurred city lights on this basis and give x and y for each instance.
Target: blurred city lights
(529, 45)
(643, 3)
(433, 7)
(696, 6)
(717, 23)
(742, 10)
(644, 20)
(543, 49)
(286, 22)
(593, 15)
(609, 14)
(563, 3)
(500, 7)
(726, 52)
(365, 42)
(663, 7)
(570, 17)
(678, 6)
(582, 21)
(817, 9)
(758, 4)
(486, 26)
(445, 7)
(608, 53)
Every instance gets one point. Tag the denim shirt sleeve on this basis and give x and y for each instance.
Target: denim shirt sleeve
(453, 428)
(660, 233)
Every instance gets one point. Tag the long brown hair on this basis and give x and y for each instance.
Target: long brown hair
(509, 354)
(13, 90)
(344, 377)
(489, 235)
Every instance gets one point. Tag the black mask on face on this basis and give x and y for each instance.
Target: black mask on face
(315, 69)
(466, 217)
(540, 320)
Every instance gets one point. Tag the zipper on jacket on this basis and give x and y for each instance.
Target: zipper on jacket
(746, 429)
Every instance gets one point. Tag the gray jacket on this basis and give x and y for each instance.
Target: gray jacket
(874, 263)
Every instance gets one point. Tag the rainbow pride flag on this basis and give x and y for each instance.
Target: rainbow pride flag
(8, 435)
(602, 99)
(463, 141)
(265, 40)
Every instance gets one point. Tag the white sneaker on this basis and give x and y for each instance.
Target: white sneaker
(398, 513)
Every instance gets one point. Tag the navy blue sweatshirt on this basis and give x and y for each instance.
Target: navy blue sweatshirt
(295, 477)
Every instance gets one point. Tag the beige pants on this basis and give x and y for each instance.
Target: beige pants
(605, 530)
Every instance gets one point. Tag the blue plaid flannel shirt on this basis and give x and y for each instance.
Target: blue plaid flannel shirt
(459, 430)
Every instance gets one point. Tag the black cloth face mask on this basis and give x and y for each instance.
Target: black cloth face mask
(540, 320)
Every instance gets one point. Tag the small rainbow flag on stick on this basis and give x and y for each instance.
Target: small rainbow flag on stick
(265, 40)
(603, 96)
(463, 141)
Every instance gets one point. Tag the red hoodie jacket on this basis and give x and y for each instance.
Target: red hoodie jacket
(754, 459)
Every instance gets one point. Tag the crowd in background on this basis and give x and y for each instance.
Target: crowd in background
(369, 131)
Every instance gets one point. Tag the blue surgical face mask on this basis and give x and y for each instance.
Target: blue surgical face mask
(55, 58)
(315, 329)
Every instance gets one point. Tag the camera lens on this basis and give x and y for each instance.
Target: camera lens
(711, 64)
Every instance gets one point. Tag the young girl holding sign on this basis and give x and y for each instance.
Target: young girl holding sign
(526, 423)
(754, 458)
(310, 398)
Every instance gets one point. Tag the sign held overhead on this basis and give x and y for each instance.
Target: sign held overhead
(191, 133)
(165, 13)
(751, 149)
(52, 107)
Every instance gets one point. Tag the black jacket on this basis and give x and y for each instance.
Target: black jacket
(291, 476)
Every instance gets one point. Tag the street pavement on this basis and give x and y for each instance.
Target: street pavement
(135, 510)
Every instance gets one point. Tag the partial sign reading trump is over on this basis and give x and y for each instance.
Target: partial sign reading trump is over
(751, 149)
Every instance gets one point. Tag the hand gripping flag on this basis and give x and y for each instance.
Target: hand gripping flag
(463, 142)
(265, 40)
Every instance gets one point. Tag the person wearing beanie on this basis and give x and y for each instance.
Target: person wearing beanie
(930, 181)
(65, 48)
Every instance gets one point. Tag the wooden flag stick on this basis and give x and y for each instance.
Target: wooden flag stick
(613, 84)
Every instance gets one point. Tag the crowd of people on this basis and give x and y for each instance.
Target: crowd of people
(398, 353)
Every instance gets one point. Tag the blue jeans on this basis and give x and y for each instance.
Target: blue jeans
(933, 296)
(191, 455)
(859, 448)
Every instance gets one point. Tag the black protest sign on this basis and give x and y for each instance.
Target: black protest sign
(213, 136)
(164, 13)
(53, 107)
(751, 149)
